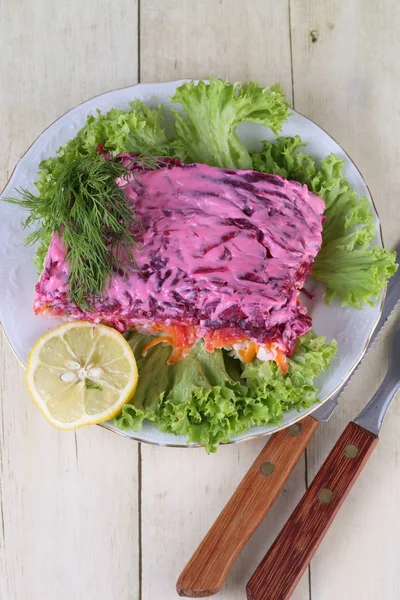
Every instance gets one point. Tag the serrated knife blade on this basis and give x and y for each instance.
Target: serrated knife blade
(324, 413)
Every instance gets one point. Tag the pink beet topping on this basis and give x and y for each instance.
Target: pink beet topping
(217, 248)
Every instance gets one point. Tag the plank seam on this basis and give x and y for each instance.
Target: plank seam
(138, 42)
(293, 104)
(307, 484)
(291, 49)
(76, 449)
(140, 561)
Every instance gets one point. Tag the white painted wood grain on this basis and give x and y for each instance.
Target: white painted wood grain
(218, 38)
(69, 512)
(69, 503)
(55, 55)
(184, 491)
(69, 524)
(349, 82)
(182, 494)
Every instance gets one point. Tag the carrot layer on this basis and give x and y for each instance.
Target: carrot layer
(182, 338)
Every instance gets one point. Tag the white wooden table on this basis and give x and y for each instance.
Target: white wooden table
(91, 516)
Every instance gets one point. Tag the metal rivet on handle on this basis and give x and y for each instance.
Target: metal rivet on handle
(325, 495)
(267, 469)
(295, 429)
(350, 451)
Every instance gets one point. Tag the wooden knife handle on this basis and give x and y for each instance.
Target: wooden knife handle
(279, 572)
(210, 564)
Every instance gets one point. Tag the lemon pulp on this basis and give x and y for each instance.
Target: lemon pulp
(81, 373)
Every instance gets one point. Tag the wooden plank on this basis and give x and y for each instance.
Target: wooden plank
(280, 571)
(367, 570)
(54, 57)
(69, 503)
(348, 80)
(217, 38)
(183, 491)
(246, 509)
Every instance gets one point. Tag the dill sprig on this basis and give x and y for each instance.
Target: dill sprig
(93, 217)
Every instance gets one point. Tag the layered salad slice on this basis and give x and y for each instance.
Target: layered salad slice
(220, 255)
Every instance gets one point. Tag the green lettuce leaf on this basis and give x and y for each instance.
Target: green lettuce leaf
(350, 264)
(210, 397)
(137, 130)
(212, 111)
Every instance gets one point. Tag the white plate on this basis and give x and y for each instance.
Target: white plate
(350, 327)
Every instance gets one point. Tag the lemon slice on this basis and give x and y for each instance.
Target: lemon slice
(81, 373)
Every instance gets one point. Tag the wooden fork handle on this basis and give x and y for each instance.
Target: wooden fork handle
(207, 569)
(279, 572)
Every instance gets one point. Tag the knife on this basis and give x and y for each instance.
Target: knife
(279, 572)
(209, 566)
